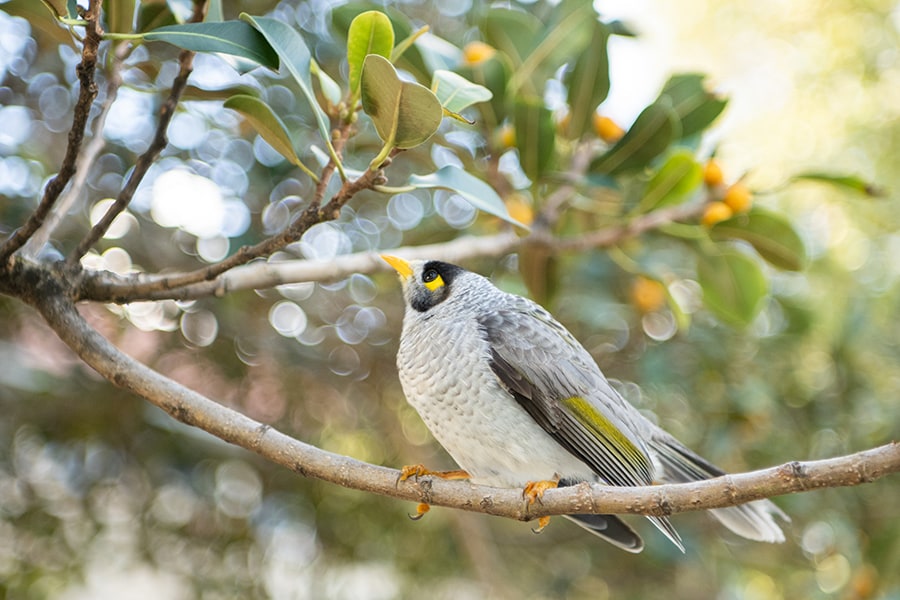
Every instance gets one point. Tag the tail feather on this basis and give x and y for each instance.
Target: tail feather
(753, 520)
(612, 529)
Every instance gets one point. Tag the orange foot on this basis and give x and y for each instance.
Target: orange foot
(534, 491)
(417, 471)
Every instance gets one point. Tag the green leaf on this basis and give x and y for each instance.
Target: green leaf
(72, 8)
(456, 93)
(331, 91)
(588, 83)
(193, 92)
(673, 183)
(513, 32)
(652, 132)
(229, 37)
(539, 267)
(565, 36)
(478, 193)
(696, 107)
(292, 51)
(848, 182)
(214, 12)
(370, 33)
(119, 15)
(153, 14)
(405, 113)
(266, 123)
(493, 75)
(535, 137)
(43, 19)
(770, 234)
(733, 284)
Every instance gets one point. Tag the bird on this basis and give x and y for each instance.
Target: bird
(517, 401)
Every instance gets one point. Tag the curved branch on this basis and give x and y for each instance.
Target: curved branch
(187, 406)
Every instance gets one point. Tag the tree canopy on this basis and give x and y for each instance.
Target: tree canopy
(198, 339)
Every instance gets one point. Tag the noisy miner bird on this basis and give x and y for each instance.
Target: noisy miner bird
(518, 402)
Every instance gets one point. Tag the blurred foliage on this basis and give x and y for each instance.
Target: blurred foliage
(103, 495)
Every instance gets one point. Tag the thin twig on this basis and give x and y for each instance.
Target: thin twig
(173, 285)
(613, 235)
(109, 287)
(105, 286)
(85, 160)
(81, 114)
(143, 163)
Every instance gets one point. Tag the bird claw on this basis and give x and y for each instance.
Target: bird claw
(534, 490)
(416, 471)
(421, 510)
(542, 523)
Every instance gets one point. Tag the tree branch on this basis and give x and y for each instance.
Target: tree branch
(46, 290)
(81, 114)
(109, 287)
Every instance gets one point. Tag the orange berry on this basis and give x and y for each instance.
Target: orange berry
(738, 198)
(519, 209)
(562, 125)
(647, 295)
(477, 52)
(506, 136)
(712, 173)
(715, 212)
(607, 129)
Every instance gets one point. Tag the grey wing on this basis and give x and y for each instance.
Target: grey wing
(544, 367)
(558, 383)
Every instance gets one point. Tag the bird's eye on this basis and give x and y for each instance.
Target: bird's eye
(429, 275)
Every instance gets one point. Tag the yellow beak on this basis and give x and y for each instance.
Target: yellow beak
(400, 265)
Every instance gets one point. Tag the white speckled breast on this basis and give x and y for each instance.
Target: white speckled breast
(445, 372)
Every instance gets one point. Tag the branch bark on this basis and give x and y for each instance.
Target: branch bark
(47, 291)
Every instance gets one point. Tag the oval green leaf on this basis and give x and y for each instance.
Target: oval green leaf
(566, 34)
(119, 15)
(679, 176)
(733, 284)
(513, 32)
(330, 90)
(696, 107)
(266, 123)
(292, 50)
(475, 191)
(652, 132)
(770, 234)
(370, 32)
(228, 37)
(405, 113)
(588, 83)
(153, 14)
(535, 137)
(456, 93)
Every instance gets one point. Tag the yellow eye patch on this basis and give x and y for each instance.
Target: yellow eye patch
(435, 283)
